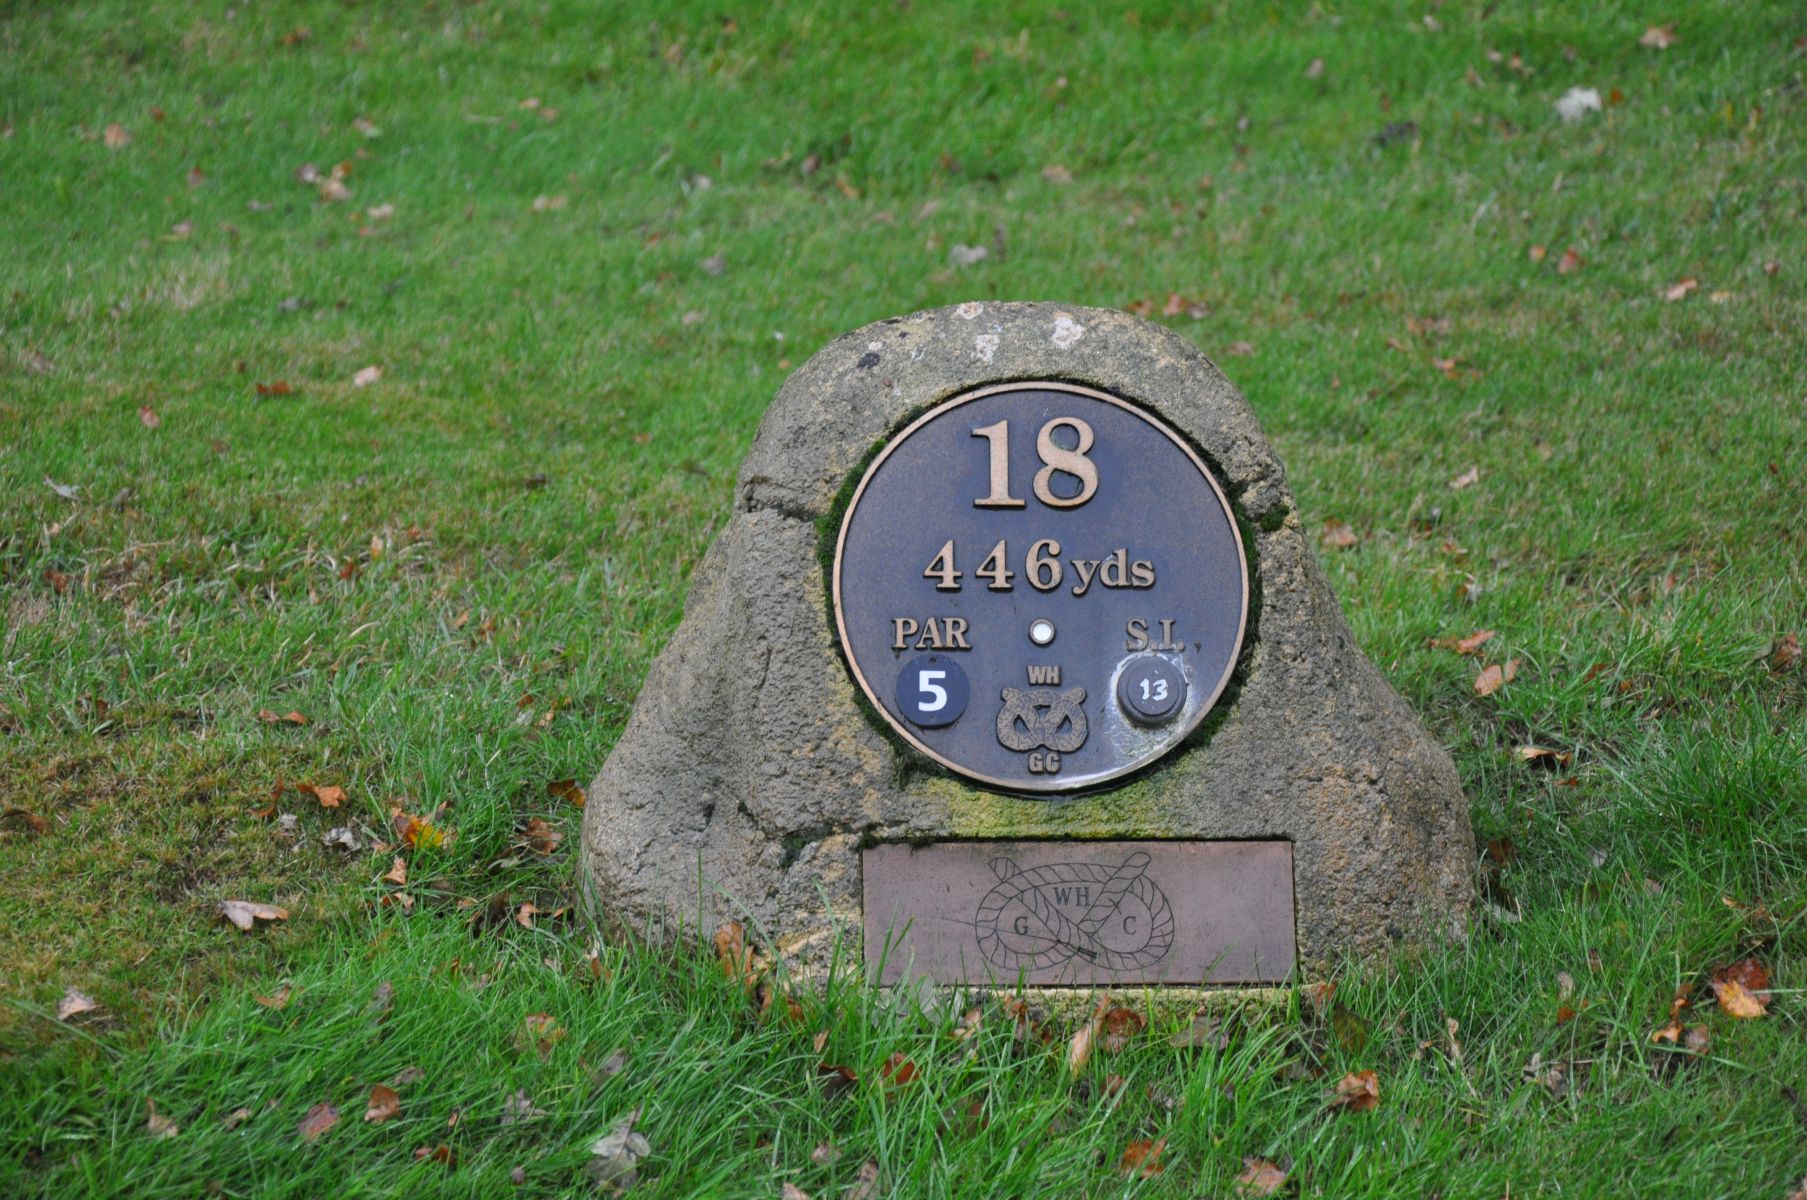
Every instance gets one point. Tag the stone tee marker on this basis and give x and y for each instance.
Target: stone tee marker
(1013, 665)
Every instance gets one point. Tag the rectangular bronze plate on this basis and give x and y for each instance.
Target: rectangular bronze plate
(1075, 913)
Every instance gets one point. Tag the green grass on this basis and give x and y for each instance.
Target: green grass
(565, 396)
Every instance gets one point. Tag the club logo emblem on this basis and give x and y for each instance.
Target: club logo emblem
(1035, 717)
(1112, 917)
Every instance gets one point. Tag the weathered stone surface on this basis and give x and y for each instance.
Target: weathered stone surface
(748, 777)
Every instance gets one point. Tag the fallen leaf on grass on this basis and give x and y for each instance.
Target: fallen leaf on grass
(1337, 536)
(20, 816)
(367, 376)
(547, 204)
(75, 1003)
(1358, 1091)
(1495, 676)
(115, 137)
(835, 1079)
(1658, 37)
(268, 717)
(1079, 1050)
(1057, 173)
(1468, 478)
(158, 1125)
(1239, 349)
(825, 1155)
(566, 789)
(1570, 262)
(542, 836)
(1205, 1032)
(1680, 288)
(1259, 1178)
(330, 796)
(277, 1000)
(1120, 1025)
(1468, 645)
(520, 1108)
(235, 1118)
(897, 1071)
(279, 388)
(320, 1118)
(382, 998)
(397, 872)
(1537, 253)
(1735, 996)
(147, 417)
(615, 1156)
(441, 1153)
(1544, 755)
(385, 1102)
(791, 1191)
(1785, 654)
(247, 913)
(541, 1031)
(865, 1183)
(1143, 1159)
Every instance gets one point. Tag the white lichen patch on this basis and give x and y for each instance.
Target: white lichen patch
(1067, 331)
(969, 311)
(984, 346)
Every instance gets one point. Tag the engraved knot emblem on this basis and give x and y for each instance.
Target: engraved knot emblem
(1113, 917)
(1036, 717)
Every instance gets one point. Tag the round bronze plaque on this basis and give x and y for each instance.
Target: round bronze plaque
(1040, 586)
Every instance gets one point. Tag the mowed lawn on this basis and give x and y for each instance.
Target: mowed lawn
(390, 366)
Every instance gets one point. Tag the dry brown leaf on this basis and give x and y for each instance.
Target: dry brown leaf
(1659, 37)
(1260, 1178)
(897, 1071)
(865, 1183)
(1143, 1159)
(1543, 754)
(1536, 254)
(1468, 645)
(542, 1032)
(330, 796)
(247, 913)
(1337, 536)
(1079, 1050)
(543, 836)
(1785, 654)
(1680, 288)
(1205, 1032)
(20, 816)
(1358, 1091)
(1239, 350)
(366, 376)
(1495, 676)
(75, 1003)
(235, 1118)
(1468, 478)
(824, 1155)
(1314, 69)
(406, 1076)
(279, 388)
(1736, 999)
(441, 1153)
(566, 789)
(269, 717)
(1120, 1025)
(278, 999)
(791, 1191)
(519, 1108)
(1570, 262)
(385, 1102)
(115, 137)
(147, 417)
(835, 1079)
(320, 1118)
(397, 872)
(158, 1125)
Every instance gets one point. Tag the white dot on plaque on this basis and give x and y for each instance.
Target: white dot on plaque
(1041, 631)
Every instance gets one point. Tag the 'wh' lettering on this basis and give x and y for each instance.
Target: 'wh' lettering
(1073, 895)
(1044, 676)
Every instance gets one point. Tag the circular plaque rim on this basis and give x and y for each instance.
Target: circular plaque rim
(1180, 734)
